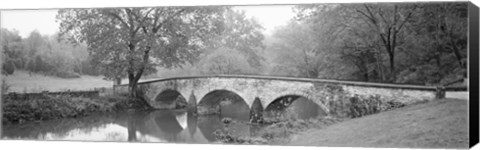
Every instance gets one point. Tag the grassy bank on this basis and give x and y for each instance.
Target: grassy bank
(55, 107)
(22, 81)
(437, 124)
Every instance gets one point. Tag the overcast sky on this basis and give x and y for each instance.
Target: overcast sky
(26, 21)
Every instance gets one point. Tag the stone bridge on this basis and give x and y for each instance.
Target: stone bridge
(258, 92)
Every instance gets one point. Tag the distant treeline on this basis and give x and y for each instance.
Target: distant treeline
(45, 55)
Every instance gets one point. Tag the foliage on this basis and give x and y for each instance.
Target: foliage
(301, 49)
(55, 107)
(147, 38)
(242, 34)
(43, 54)
(441, 40)
(415, 43)
(4, 89)
(144, 37)
(180, 103)
(12, 47)
(225, 61)
(295, 42)
(412, 43)
(8, 68)
(360, 106)
(236, 50)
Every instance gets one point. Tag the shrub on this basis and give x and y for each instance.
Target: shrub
(67, 74)
(362, 106)
(180, 103)
(55, 107)
(4, 89)
(8, 68)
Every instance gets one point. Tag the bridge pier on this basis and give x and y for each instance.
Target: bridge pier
(256, 112)
(192, 104)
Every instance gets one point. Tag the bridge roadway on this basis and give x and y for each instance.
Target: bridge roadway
(258, 92)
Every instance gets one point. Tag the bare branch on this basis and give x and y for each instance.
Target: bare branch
(116, 16)
(407, 18)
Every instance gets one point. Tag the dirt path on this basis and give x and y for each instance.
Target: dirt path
(437, 124)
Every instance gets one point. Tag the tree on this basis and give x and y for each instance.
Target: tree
(439, 50)
(296, 40)
(388, 22)
(304, 46)
(34, 43)
(403, 43)
(358, 49)
(242, 34)
(13, 47)
(39, 64)
(143, 37)
(383, 24)
(8, 68)
(31, 66)
(225, 61)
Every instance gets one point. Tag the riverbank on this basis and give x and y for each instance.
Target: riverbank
(277, 132)
(56, 107)
(441, 123)
(437, 124)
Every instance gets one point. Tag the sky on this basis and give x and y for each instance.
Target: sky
(26, 21)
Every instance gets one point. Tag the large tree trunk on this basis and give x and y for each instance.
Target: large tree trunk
(392, 67)
(132, 78)
(133, 82)
(132, 85)
(135, 77)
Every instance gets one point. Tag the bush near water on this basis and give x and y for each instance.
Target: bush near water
(56, 107)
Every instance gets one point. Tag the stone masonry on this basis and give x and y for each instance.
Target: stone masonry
(266, 89)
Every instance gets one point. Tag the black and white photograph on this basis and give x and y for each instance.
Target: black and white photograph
(371, 74)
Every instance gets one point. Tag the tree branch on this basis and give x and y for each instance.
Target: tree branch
(116, 16)
(406, 19)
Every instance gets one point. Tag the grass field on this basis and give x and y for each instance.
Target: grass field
(22, 81)
(437, 124)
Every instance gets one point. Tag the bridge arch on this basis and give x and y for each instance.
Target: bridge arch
(217, 101)
(299, 106)
(168, 99)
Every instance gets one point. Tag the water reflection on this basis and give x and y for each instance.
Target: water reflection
(293, 106)
(154, 126)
